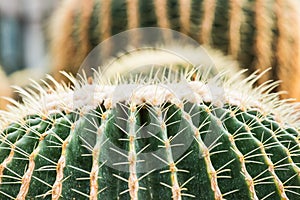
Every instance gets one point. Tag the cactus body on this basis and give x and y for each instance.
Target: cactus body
(156, 141)
(258, 34)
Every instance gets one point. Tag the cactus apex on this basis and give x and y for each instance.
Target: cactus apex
(155, 91)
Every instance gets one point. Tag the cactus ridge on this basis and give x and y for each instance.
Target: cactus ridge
(155, 143)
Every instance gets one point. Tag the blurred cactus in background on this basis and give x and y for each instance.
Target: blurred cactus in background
(258, 34)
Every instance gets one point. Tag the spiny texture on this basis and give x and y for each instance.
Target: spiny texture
(151, 139)
(259, 34)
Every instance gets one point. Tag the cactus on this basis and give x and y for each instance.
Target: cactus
(257, 33)
(150, 139)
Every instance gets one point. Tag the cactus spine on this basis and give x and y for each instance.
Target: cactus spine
(157, 141)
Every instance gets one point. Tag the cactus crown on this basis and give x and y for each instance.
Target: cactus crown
(58, 97)
(168, 137)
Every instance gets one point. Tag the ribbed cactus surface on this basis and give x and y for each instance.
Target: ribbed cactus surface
(156, 141)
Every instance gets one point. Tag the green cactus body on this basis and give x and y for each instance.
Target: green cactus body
(154, 143)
